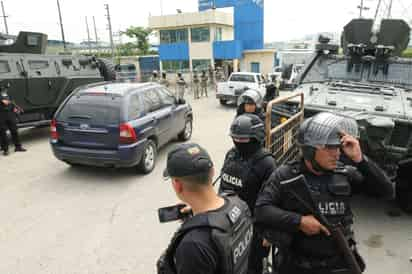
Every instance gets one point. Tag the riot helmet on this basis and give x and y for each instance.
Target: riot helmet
(250, 96)
(324, 130)
(247, 132)
(248, 126)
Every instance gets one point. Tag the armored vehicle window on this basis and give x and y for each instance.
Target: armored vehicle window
(134, 107)
(96, 109)
(38, 64)
(242, 78)
(4, 67)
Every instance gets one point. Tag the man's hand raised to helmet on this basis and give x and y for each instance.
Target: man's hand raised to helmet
(351, 147)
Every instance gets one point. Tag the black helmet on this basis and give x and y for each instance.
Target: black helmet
(324, 129)
(250, 96)
(248, 126)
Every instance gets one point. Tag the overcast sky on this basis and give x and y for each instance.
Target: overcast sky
(284, 19)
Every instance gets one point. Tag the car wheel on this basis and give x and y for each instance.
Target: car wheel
(186, 134)
(148, 161)
(223, 102)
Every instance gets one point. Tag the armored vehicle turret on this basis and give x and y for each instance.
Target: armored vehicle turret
(373, 84)
(38, 82)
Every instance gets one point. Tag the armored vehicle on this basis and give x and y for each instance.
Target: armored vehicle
(38, 82)
(371, 83)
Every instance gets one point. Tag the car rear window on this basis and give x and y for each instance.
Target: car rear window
(242, 78)
(95, 109)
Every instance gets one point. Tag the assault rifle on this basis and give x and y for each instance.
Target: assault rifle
(298, 188)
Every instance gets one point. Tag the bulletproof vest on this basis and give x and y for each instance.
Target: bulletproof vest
(330, 195)
(238, 174)
(231, 231)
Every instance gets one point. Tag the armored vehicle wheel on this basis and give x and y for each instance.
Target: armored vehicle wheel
(107, 70)
(148, 161)
(186, 134)
(404, 194)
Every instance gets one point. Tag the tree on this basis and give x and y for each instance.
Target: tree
(141, 35)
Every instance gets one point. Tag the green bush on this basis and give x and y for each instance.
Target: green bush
(407, 53)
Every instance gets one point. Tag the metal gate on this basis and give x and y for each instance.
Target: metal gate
(281, 137)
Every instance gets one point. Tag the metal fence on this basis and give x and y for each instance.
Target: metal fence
(281, 137)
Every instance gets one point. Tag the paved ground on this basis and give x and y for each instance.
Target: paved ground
(58, 219)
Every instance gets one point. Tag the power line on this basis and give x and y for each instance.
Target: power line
(5, 18)
(361, 8)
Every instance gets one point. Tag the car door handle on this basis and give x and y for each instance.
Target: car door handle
(230, 86)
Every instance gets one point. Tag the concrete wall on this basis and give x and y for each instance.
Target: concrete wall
(190, 19)
(227, 33)
(264, 58)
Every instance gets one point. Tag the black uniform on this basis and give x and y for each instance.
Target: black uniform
(244, 175)
(281, 213)
(214, 242)
(8, 121)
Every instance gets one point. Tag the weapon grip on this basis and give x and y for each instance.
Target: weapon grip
(343, 245)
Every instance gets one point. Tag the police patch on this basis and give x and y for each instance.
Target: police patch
(234, 214)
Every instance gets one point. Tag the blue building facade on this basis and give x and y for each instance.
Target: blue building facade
(248, 26)
(174, 49)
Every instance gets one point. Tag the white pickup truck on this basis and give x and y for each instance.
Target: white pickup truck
(235, 86)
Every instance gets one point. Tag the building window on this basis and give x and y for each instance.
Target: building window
(173, 36)
(200, 35)
(218, 34)
(175, 66)
(200, 64)
(255, 67)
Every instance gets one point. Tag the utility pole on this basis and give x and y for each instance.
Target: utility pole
(390, 9)
(5, 18)
(361, 8)
(61, 24)
(88, 36)
(110, 28)
(95, 33)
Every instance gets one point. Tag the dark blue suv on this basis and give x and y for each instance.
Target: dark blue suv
(118, 125)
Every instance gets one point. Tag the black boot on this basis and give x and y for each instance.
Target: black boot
(20, 149)
(6, 152)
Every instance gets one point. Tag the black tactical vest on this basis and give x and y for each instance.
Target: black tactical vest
(239, 175)
(231, 230)
(330, 195)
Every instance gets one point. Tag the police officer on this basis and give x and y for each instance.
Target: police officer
(247, 165)
(8, 111)
(203, 84)
(305, 242)
(154, 77)
(163, 80)
(250, 102)
(196, 85)
(181, 86)
(217, 238)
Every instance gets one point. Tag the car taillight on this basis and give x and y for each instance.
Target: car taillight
(127, 134)
(54, 135)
